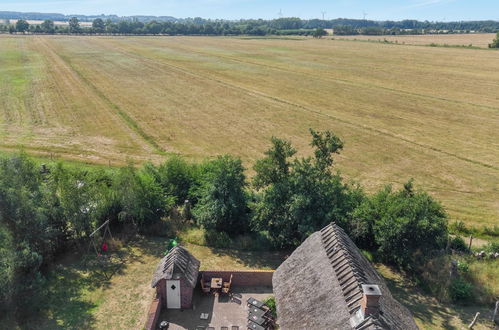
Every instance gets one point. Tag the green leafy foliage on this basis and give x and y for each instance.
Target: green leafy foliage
(495, 43)
(179, 179)
(74, 25)
(22, 26)
(457, 243)
(222, 204)
(319, 33)
(297, 197)
(270, 303)
(400, 225)
(460, 290)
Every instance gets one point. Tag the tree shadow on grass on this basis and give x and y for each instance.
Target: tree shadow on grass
(427, 308)
(65, 303)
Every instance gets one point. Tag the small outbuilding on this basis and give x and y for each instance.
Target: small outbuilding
(327, 283)
(175, 278)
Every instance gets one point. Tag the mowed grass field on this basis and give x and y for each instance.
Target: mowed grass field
(476, 39)
(404, 112)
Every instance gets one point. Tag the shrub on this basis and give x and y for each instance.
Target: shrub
(457, 243)
(492, 247)
(218, 239)
(178, 178)
(402, 226)
(222, 203)
(495, 43)
(270, 303)
(460, 290)
(458, 227)
(463, 267)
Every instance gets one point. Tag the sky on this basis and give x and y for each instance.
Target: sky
(432, 10)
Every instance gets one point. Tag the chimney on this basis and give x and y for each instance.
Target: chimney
(370, 299)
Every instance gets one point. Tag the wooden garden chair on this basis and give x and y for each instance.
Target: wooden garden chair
(226, 285)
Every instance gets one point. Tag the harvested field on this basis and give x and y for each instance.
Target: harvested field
(475, 39)
(404, 112)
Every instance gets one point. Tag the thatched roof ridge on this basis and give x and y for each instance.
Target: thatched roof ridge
(176, 264)
(320, 286)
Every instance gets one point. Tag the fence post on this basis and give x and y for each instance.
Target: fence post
(471, 241)
(496, 311)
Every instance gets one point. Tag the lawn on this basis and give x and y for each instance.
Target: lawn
(81, 296)
(427, 113)
(430, 313)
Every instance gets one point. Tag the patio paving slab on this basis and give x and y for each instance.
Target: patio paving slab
(224, 312)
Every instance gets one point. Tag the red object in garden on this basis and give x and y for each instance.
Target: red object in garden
(104, 247)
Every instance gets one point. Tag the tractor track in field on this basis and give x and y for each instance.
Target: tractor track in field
(153, 62)
(345, 81)
(130, 122)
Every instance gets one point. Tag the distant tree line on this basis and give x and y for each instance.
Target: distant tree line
(281, 26)
(46, 210)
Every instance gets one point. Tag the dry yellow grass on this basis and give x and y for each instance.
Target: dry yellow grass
(476, 39)
(404, 111)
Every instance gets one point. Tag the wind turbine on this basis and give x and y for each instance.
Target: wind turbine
(365, 14)
(279, 13)
(323, 15)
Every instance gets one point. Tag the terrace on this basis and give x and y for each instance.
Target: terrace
(225, 312)
(187, 298)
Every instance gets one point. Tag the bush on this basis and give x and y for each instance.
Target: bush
(222, 202)
(458, 227)
(492, 247)
(402, 226)
(463, 267)
(270, 303)
(457, 243)
(495, 43)
(460, 290)
(218, 239)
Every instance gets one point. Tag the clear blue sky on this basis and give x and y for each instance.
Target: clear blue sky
(432, 10)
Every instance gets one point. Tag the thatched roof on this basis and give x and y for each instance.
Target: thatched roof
(320, 287)
(178, 263)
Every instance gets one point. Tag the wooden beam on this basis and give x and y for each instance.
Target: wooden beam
(105, 223)
(472, 324)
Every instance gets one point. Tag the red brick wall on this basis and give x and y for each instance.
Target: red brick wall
(185, 295)
(161, 291)
(242, 278)
(153, 314)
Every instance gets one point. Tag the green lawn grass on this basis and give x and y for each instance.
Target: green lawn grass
(79, 295)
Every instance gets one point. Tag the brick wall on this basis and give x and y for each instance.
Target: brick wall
(185, 295)
(161, 291)
(153, 314)
(241, 278)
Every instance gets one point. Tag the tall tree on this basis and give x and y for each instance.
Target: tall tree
(48, 26)
(222, 200)
(98, 25)
(74, 25)
(297, 197)
(22, 26)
